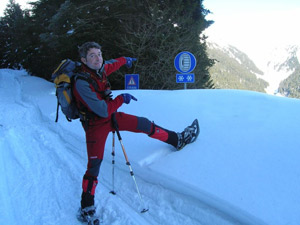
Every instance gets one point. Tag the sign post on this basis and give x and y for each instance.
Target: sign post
(185, 62)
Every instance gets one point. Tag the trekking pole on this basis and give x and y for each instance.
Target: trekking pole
(113, 164)
(115, 124)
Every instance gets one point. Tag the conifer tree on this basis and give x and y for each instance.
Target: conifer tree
(154, 31)
(11, 33)
(42, 57)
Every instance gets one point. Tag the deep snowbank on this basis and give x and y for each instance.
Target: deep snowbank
(243, 169)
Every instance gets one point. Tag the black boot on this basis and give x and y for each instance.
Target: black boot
(87, 199)
(87, 211)
(189, 135)
(89, 184)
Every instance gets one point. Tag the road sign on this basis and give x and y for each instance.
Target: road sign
(185, 62)
(131, 81)
(185, 78)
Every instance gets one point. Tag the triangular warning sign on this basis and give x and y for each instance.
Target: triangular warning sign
(131, 81)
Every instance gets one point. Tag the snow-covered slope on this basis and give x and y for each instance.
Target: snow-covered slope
(237, 55)
(280, 63)
(273, 65)
(243, 169)
(233, 69)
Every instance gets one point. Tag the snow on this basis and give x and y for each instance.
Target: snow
(274, 63)
(274, 78)
(226, 48)
(243, 169)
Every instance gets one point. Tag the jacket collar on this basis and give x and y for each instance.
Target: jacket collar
(97, 73)
(87, 69)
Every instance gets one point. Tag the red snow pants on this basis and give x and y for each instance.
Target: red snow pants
(98, 130)
(96, 135)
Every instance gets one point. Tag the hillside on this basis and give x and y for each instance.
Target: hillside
(234, 70)
(290, 87)
(279, 64)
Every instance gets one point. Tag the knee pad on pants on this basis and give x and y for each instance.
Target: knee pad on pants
(144, 125)
(93, 167)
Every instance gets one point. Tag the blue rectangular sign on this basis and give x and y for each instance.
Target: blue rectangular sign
(132, 81)
(185, 78)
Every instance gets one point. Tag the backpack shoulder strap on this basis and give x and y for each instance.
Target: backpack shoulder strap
(87, 78)
(86, 115)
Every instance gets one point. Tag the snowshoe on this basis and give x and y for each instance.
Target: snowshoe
(87, 215)
(189, 135)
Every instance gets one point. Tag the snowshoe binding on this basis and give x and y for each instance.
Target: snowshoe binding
(189, 135)
(87, 215)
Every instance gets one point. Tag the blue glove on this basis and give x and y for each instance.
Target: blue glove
(129, 61)
(127, 98)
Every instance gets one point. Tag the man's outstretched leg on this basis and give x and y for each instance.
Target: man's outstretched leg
(178, 140)
(143, 125)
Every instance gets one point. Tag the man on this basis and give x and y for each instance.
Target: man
(99, 107)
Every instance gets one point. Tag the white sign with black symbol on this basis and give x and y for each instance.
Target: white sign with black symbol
(185, 62)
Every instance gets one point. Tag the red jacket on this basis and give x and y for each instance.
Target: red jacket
(86, 95)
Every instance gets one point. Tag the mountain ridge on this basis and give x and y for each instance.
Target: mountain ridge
(278, 74)
(233, 69)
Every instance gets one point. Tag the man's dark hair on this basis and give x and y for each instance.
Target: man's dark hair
(83, 49)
